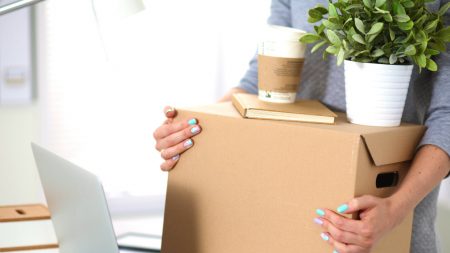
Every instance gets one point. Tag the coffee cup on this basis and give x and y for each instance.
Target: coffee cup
(280, 63)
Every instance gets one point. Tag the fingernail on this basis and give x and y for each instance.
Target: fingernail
(318, 221)
(192, 122)
(342, 208)
(324, 237)
(195, 129)
(320, 212)
(187, 143)
(169, 110)
(335, 251)
(175, 158)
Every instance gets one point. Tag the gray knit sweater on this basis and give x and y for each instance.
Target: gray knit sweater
(428, 101)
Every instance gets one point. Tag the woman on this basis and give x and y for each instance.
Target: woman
(428, 103)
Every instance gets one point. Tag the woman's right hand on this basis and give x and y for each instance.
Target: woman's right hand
(172, 139)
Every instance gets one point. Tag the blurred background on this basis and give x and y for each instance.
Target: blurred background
(89, 83)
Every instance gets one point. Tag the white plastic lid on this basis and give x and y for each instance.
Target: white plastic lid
(282, 33)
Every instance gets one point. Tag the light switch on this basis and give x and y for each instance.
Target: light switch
(16, 58)
(15, 76)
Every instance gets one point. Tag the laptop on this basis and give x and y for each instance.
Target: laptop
(77, 202)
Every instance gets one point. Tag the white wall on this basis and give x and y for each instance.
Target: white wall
(19, 182)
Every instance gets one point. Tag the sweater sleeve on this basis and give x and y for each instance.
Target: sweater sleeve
(280, 15)
(437, 117)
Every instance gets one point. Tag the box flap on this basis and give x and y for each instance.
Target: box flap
(393, 145)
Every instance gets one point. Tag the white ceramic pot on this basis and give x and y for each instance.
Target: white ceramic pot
(375, 93)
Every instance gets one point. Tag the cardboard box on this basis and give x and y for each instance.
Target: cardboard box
(254, 185)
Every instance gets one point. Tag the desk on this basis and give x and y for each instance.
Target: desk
(144, 224)
(125, 224)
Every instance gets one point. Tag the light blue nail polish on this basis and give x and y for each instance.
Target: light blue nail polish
(195, 129)
(320, 212)
(318, 221)
(187, 143)
(175, 158)
(324, 237)
(192, 122)
(342, 208)
(335, 251)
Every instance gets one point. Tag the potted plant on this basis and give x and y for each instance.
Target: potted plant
(378, 41)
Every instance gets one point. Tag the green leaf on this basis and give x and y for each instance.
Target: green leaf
(334, 39)
(420, 21)
(358, 38)
(313, 20)
(340, 56)
(444, 34)
(379, 3)
(383, 60)
(332, 50)
(322, 9)
(444, 9)
(398, 8)
(376, 28)
(408, 4)
(345, 45)
(388, 17)
(408, 38)
(410, 50)
(315, 14)
(360, 25)
(391, 34)
(368, 3)
(377, 53)
(431, 26)
(392, 59)
(316, 28)
(421, 36)
(362, 52)
(370, 38)
(406, 26)
(423, 46)
(402, 18)
(421, 60)
(331, 25)
(309, 38)
(332, 10)
(438, 45)
(317, 46)
(324, 55)
(335, 20)
(431, 52)
(431, 65)
(364, 59)
(418, 13)
(353, 6)
(348, 21)
(378, 10)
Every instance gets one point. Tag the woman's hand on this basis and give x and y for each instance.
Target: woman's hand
(172, 139)
(378, 216)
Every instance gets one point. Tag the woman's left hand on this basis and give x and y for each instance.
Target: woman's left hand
(377, 216)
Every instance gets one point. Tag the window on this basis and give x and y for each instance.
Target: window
(103, 85)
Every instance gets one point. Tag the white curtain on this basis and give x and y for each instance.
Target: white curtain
(106, 83)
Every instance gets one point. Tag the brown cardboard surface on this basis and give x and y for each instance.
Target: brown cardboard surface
(253, 185)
